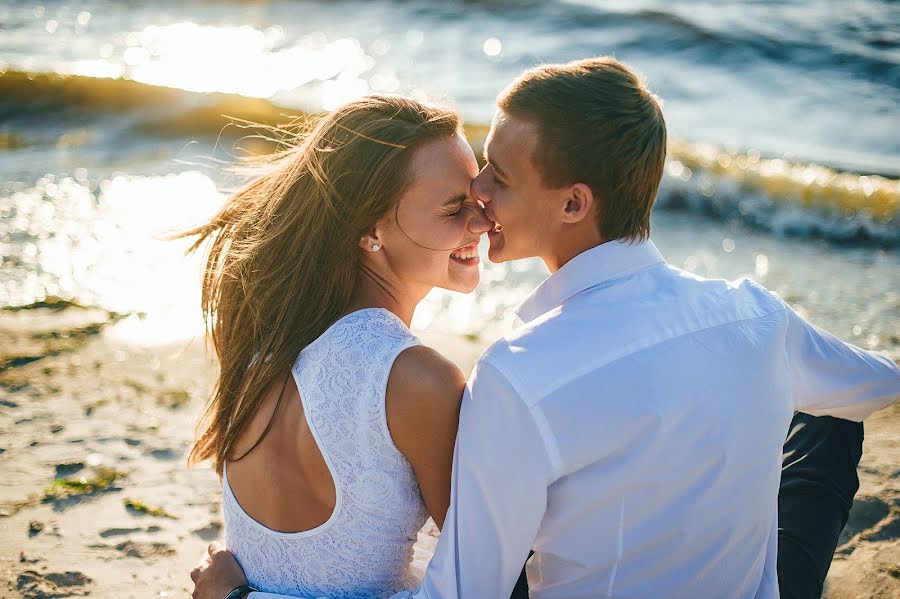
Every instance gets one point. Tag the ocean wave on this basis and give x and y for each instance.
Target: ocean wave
(859, 42)
(155, 109)
(782, 196)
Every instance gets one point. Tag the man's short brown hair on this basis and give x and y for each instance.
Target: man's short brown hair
(598, 124)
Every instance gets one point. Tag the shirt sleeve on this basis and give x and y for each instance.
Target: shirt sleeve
(833, 378)
(501, 471)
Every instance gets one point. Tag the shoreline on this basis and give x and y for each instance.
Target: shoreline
(97, 499)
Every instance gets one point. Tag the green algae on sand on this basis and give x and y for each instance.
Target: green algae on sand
(103, 479)
(138, 506)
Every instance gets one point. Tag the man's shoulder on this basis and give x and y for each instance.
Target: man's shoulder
(524, 356)
(742, 297)
(580, 336)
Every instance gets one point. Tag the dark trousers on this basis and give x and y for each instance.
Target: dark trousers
(818, 482)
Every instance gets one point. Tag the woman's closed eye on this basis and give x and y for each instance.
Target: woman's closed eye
(454, 210)
(458, 208)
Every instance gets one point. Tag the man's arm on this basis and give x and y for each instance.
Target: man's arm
(501, 472)
(833, 378)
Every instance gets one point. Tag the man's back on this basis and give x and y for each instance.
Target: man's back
(630, 430)
(667, 401)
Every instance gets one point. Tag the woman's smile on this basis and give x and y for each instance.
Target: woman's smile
(466, 255)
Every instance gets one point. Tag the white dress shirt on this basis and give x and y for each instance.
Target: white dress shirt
(630, 431)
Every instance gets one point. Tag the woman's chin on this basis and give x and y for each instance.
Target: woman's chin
(463, 286)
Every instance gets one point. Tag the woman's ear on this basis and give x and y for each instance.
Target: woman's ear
(370, 242)
(578, 203)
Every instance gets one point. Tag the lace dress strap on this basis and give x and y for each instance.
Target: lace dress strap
(342, 378)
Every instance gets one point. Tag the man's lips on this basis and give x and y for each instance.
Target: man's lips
(497, 227)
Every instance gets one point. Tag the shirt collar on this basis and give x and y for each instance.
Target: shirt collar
(605, 262)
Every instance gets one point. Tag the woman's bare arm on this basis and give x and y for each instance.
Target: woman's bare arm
(424, 392)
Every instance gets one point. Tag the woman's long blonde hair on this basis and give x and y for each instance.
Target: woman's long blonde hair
(284, 257)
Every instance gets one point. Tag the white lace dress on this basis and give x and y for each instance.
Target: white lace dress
(365, 548)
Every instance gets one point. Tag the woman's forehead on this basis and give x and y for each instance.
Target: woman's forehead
(441, 170)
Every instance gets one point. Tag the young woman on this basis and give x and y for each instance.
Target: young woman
(331, 425)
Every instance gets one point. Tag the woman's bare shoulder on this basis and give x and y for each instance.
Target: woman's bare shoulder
(423, 375)
(424, 392)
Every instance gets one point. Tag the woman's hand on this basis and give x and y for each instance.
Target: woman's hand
(216, 574)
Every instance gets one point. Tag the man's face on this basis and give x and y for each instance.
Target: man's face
(514, 198)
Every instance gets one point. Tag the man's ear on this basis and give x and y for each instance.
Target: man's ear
(577, 204)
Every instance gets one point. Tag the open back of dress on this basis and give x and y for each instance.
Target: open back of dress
(365, 548)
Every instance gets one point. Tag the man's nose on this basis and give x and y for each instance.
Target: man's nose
(481, 188)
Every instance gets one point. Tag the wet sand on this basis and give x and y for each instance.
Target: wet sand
(96, 499)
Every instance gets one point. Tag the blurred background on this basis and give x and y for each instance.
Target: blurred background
(118, 118)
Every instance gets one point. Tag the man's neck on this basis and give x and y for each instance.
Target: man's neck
(565, 250)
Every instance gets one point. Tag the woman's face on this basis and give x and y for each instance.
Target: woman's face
(431, 238)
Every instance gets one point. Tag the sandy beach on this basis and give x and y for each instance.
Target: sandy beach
(96, 499)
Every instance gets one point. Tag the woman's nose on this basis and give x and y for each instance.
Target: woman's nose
(479, 222)
(480, 188)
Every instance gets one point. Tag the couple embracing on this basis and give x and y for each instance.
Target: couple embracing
(626, 439)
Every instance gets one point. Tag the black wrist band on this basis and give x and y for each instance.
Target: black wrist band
(240, 592)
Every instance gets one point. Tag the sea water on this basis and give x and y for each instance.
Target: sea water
(783, 115)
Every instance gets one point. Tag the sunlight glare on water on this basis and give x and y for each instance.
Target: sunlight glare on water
(107, 248)
(241, 60)
(153, 273)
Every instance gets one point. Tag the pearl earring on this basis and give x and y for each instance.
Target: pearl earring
(375, 247)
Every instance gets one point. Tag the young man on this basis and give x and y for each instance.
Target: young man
(630, 429)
